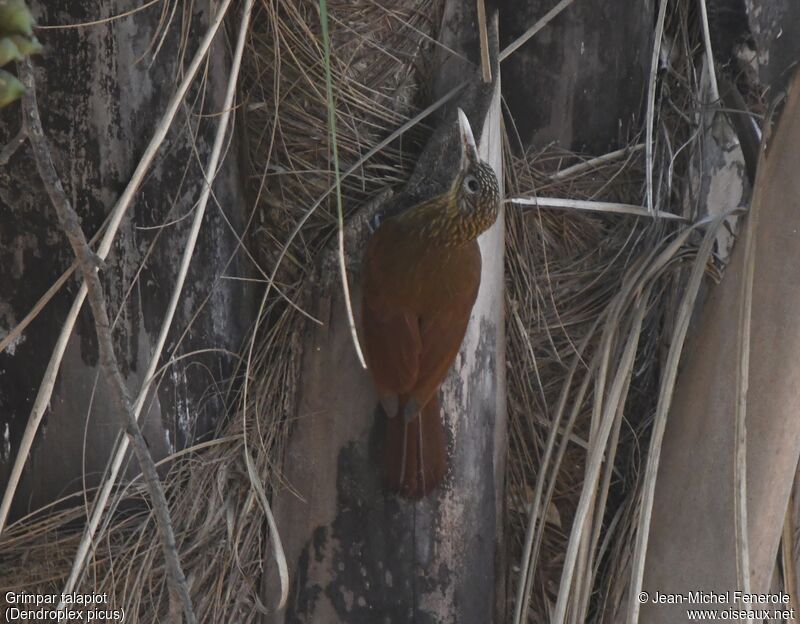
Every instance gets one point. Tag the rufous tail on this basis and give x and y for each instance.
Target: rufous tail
(415, 452)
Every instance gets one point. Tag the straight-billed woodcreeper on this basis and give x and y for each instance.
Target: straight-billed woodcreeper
(422, 270)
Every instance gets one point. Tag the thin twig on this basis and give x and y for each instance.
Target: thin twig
(70, 223)
(18, 329)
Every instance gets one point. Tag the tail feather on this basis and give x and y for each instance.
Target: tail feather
(415, 452)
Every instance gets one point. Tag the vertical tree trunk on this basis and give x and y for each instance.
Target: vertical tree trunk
(100, 98)
(357, 553)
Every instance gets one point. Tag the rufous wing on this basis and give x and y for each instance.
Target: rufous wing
(393, 347)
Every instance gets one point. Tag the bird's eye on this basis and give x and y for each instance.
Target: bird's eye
(471, 184)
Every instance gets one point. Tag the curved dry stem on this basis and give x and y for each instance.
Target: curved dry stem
(326, 45)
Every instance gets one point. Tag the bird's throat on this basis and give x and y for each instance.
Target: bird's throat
(441, 221)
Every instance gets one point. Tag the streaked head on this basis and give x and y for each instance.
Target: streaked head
(468, 208)
(475, 187)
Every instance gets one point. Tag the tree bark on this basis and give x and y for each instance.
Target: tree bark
(356, 552)
(100, 98)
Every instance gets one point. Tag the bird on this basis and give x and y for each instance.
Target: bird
(420, 277)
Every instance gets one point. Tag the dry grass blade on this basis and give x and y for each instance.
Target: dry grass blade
(277, 545)
(566, 273)
(740, 426)
(326, 46)
(567, 268)
(635, 292)
(103, 20)
(592, 206)
(537, 507)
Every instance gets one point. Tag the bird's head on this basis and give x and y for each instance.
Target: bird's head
(470, 205)
(475, 193)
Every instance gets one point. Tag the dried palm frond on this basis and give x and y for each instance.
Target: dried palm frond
(594, 304)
